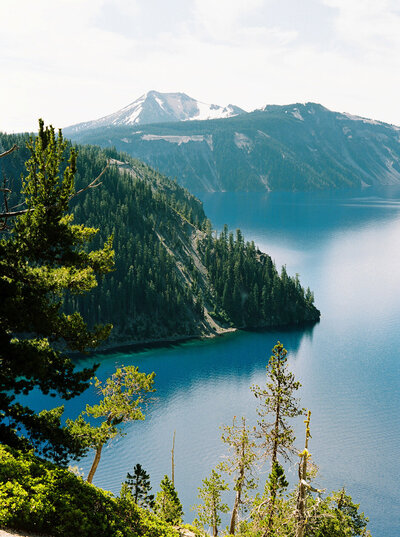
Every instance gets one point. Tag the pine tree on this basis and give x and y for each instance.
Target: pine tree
(208, 513)
(167, 505)
(139, 484)
(277, 404)
(240, 462)
(123, 394)
(43, 257)
(276, 479)
(336, 516)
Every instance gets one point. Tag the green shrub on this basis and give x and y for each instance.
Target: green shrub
(36, 495)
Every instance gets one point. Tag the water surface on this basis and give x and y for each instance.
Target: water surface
(346, 247)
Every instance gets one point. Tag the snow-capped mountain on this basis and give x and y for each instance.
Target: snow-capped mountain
(155, 107)
(291, 147)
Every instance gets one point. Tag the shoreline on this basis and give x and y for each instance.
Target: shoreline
(168, 342)
(147, 344)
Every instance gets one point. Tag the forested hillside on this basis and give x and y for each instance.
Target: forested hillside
(293, 147)
(172, 277)
(241, 274)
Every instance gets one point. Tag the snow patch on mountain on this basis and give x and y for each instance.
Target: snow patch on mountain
(297, 114)
(174, 139)
(155, 107)
(243, 142)
(212, 111)
(262, 133)
(159, 102)
(359, 118)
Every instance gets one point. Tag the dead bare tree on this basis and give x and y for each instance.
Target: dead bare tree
(302, 514)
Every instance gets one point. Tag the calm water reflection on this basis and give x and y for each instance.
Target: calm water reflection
(346, 247)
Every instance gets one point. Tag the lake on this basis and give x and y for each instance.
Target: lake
(346, 247)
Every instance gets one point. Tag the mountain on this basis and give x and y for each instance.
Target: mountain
(155, 107)
(173, 278)
(293, 147)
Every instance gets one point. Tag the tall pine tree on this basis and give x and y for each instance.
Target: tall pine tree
(139, 484)
(277, 404)
(43, 255)
(167, 505)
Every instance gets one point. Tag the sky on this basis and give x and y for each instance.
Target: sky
(69, 61)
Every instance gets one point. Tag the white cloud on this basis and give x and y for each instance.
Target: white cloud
(221, 19)
(74, 60)
(55, 59)
(372, 26)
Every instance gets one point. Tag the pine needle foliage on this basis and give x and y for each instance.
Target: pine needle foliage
(240, 463)
(209, 511)
(139, 484)
(167, 505)
(277, 404)
(123, 396)
(43, 256)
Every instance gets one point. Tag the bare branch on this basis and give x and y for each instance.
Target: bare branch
(14, 147)
(6, 191)
(93, 184)
(14, 213)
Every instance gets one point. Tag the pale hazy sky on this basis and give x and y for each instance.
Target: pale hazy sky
(75, 60)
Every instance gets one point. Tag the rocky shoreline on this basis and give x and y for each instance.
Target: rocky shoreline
(151, 343)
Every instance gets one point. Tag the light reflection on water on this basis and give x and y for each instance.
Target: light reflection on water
(346, 248)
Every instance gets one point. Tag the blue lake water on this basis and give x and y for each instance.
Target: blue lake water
(346, 247)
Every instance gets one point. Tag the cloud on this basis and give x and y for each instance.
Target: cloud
(56, 59)
(221, 19)
(373, 27)
(72, 60)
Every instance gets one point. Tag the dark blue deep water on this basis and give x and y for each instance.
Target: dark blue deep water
(346, 247)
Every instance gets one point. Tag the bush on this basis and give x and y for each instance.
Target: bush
(36, 495)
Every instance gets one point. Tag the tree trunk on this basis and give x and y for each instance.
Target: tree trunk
(271, 506)
(238, 495)
(301, 503)
(274, 457)
(215, 527)
(173, 460)
(301, 500)
(95, 464)
(234, 513)
(215, 530)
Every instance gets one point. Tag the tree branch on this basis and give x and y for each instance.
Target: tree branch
(93, 184)
(14, 147)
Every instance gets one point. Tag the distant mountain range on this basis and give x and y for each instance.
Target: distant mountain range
(155, 107)
(293, 147)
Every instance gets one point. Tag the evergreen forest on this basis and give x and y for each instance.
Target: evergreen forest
(172, 277)
(297, 147)
(48, 263)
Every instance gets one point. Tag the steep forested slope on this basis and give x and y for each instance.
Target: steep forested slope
(169, 265)
(294, 147)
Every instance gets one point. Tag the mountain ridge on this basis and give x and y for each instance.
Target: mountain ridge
(289, 147)
(157, 107)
